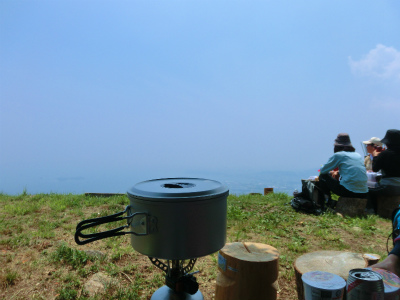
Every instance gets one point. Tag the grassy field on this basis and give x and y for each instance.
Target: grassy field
(40, 260)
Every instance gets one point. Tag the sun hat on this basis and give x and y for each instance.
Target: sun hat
(343, 139)
(392, 137)
(373, 140)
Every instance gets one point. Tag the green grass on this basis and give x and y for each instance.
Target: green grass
(66, 255)
(37, 244)
(269, 219)
(10, 277)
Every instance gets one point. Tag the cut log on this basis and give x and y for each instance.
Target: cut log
(386, 205)
(352, 207)
(247, 271)
(335, 262)
(268, 190)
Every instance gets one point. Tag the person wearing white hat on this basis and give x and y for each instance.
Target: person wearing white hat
(373, 144)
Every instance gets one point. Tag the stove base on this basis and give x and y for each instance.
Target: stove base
(165, 293)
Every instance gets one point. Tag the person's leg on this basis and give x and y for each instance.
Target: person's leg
(391, 263)
(380, 190)
(373, 194)
(371, 202)
(328, 183)
(324, 188)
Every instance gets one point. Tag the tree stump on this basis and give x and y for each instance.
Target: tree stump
(352, 207)
(268, 190)
(335, 262)
(386, 205)
(248, 271)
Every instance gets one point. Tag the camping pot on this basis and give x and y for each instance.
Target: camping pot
(169, 218)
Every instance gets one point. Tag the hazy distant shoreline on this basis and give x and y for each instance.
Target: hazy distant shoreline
(237, 182)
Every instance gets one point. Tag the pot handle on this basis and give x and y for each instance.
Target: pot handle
(85, 224)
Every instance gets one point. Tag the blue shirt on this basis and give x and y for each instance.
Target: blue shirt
(353, 175)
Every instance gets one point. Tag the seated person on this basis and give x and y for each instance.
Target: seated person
(374, 144)
(392, 262)
(352, 182)
(388, 162)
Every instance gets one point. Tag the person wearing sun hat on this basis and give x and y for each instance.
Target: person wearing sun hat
(372, 144)
(353, 178)
(373, 141)
(388, 162)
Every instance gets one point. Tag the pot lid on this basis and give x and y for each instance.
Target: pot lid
(177, 189)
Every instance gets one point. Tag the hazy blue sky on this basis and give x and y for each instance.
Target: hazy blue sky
(95, 91)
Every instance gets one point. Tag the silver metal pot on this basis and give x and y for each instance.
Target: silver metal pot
(170, 218)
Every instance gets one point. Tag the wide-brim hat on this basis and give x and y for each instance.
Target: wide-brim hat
(343, 139)
(392, 137)
(373, 140)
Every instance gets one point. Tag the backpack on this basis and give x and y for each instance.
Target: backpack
(305, 205)
(303, 201)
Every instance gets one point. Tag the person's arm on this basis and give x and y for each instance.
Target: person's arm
(377, 162)
(330, 165)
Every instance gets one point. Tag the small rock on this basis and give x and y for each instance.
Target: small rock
(356, 229)
(97, 284)
(339, 214)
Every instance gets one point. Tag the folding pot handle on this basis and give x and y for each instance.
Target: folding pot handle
(149, 225)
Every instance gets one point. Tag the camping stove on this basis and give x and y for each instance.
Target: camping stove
(179, 283)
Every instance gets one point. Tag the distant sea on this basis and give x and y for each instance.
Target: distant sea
(237, 182)
(280, 181)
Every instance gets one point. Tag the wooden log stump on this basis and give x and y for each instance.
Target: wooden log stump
(352, 207)
(247, 271)
(335, 262)
(268, 190)
(386, 205)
